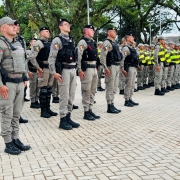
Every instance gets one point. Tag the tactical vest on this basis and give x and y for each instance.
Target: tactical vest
(132, 58)
(13, 59)
(99, 52)
(161, 53)
(21, 40)
(91, 53)
(173, 56)
(67, 53)
(152, 56)
(167, 56)
(44, 52)
(147, 57)
(115, 55)
(142, 56)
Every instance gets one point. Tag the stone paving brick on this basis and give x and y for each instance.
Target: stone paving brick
(102, 176)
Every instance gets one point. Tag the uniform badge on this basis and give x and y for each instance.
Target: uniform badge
(105, 48)
(81, 47)
(1, 50)
(125, 53)
(56, 46)
(36, 48)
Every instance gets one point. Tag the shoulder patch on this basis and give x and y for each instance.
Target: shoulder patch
(56, 46)
(1, 49)
(36, 48)
(81, 47)
(105, 48)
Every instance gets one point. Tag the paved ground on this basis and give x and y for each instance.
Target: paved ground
(139, 143)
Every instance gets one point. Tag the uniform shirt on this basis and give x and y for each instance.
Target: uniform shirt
(38, 45)
(106, 47)
(81, 46)
(56, 45)
(156, 51)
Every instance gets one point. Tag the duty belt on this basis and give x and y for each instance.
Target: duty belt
(66, 66)
(116, 64)
(91, 66)
(15, 80)
(32, 69)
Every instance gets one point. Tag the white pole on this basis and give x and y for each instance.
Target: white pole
(150, 33)
(88, 11)
(160, 22)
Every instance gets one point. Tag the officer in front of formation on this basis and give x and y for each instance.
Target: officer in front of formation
(110, 58)
(62, 64)
(159, 58)
(39, 59)
(130, 62)
(87, 59)
(13, 79)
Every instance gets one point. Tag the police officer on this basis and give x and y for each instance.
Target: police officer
(62, 63)
(121, 76)
(13, 78)
(100, 68)
(110, 58)
(33, 79)
(130, 70)
(159, 57)
(39, 59)
(87, 59)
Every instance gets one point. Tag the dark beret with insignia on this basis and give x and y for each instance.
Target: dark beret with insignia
(33, 39)
(111, 28)
(17, 23)
(43, 28)
(89, 26)
(62, 20)
(128, 34)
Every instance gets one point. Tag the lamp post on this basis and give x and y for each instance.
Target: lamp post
(150, 32)
(160, 22)
(88, 11)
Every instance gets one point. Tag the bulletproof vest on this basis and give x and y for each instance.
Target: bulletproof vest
(13, 59)
(21, 40)
(115, 55)
(132, 58)
(67, 53)
(91, 53)
(44, 52)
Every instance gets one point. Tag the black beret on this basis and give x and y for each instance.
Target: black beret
(33, 39)
(128, 34)
(111, 28)
(63, 20)
(89, 26)
(43, 28)
(16, 23)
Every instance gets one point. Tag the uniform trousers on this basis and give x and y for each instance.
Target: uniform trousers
(121, 81)
(175, 75)
(164, 77)
(170, 75)
(100, 73)
(55, 88)
(158, 77)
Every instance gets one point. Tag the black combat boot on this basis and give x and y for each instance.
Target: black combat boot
(64, 124)
(170, 88)
(133, 103)
(88, 116)
(158, 92)
(43, 102)
(12, 149)
(35, 105)
(118, 110)
(175, 87)
(111, 109)
(75, 107)
(93, 115)
(164, 90)
(136, 90)
(21, 120)
(121, 91)
(72, 123)
(128, 104)
(140, 88)
(55, 100)
(48, 99)
(100, 89)
(20, 145)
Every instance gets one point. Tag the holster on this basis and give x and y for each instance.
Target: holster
(59, 67)
(126, 67)
(83, 65)
(3, 76)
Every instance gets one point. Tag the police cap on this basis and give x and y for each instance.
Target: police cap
(171, 42)
(146, 45)
(123, 39)
(111, 28)
(140, 45)
(89, 26)
(63, 20)
(152, 45)
(177, 44)
(6, 20)
(100, 42)
(161, 37)
(43, 28)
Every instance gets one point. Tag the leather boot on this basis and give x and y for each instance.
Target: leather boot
(48, 99)
(75, 107)
(118, 110)
(35, 105)
(20, 145)
(134, 103)
(72, 123)
(128, 104)
(170, 88)
(93, 115)
(12, 149)
(121, 91)
(111, 109)
(164, 90)
(64, 124)
(100, 89)
(55, 100)
(88, 116)
(43, 102)
(21, 120)
(140, 88)
(158, 92)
